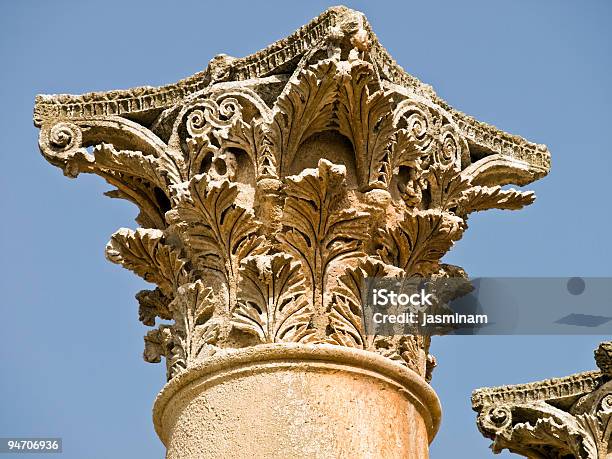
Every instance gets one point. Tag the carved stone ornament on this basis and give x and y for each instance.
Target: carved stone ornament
(271, 186)
(558, 418)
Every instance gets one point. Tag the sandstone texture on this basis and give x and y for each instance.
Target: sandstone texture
(270, 187)
(557, 418)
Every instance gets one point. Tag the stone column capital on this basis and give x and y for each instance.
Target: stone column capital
(554, 418)
(271, 186)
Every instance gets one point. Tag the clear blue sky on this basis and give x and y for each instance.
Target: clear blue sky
(71, 361)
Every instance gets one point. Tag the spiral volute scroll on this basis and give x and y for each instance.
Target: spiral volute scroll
(452, 148)
(418, 122)
(606, 404)
(495, 419)
(60, 139)
(207, 114)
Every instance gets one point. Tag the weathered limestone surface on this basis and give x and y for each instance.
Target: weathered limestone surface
(328, 401)
(269, 188)
(568, 417)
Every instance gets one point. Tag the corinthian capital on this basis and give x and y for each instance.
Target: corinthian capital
(554, 418)
(271, 186)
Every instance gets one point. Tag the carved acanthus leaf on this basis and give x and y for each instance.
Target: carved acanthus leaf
(144, 252)
(446, 185)
(322, 227)
(404, 150)
(367, 121)
(405, 153)
(480, 198)
(304, 108)
(199, 148)
(565, 437)
(195, 331)
(106, 157)
(160, 343)
(154, 348)
(347, 312)
(420, 240)
(348, 302)
(273, 304)
(218, 232)
(152, 304)
(596, 436)
(251, 137)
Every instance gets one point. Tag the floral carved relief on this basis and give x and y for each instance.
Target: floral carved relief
(265, 202)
